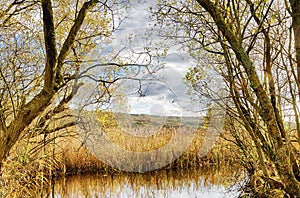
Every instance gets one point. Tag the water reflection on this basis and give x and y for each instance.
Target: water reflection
(164, 183)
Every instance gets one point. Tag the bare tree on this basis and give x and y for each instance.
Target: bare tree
(46, 52)
(252, 45)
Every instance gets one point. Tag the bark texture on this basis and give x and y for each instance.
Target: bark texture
(281, 153)
(25, 114)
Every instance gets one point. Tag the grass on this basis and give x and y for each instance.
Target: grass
(25, 174)
(158, 180)
(75, 158)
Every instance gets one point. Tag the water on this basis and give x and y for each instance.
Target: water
(194, 183)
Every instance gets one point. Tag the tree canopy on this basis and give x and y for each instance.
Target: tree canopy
(254, 47)
(49, 49)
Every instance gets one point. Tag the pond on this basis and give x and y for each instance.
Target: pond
(200, 182)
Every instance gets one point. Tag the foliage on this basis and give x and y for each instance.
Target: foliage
(252, 47)
(50, 50)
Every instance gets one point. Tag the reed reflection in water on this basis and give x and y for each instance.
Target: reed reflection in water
(162, 183)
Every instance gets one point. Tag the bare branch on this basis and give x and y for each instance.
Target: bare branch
(50, 46)
(71, 37)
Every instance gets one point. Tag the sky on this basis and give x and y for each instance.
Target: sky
(169, 95)
(166, 96)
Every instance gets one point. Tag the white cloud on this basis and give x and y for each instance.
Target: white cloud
(168, 94)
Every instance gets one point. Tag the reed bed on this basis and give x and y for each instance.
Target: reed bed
(101, 185)
(76, 158)
(26, 173)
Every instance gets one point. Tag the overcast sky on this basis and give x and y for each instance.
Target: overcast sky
(169, 95)
(166, 96)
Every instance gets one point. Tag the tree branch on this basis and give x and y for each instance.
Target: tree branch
(267, 113)
(71, 37)
(295, 6)
(50, 45)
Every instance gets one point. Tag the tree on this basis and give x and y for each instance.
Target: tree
(45, 48)
(251, 45)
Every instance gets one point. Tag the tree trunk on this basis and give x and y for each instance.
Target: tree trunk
(25, 116)
(281, 159)
(295, 5)
(9, 135)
